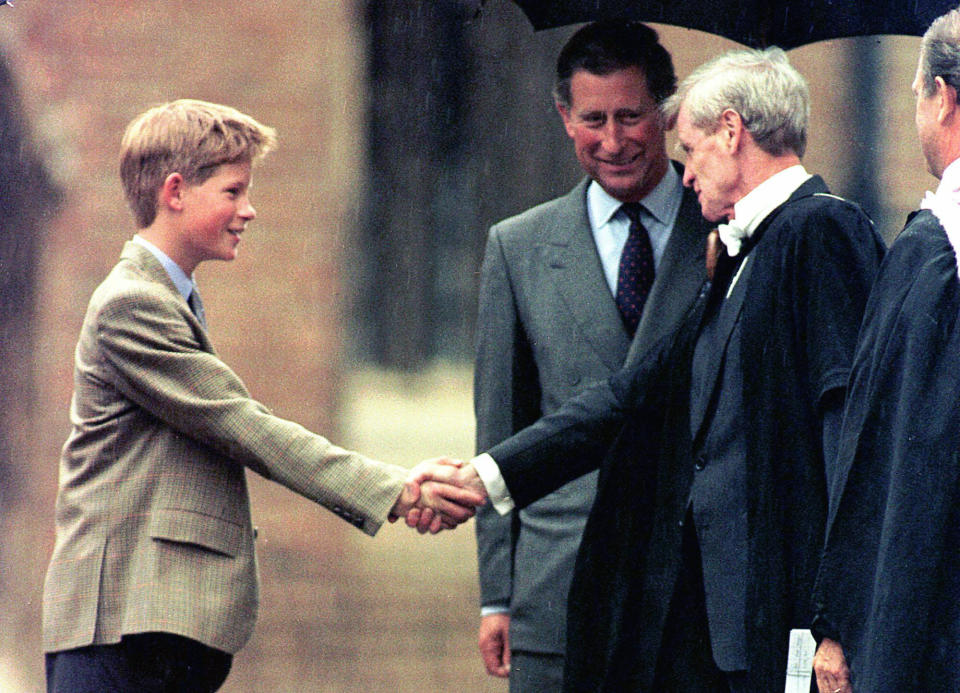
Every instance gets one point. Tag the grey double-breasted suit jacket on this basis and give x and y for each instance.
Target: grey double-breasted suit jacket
(153, 527)
(548, 327)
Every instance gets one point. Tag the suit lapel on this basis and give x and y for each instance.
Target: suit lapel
(150, 267)
(727, 315)
(570, 256)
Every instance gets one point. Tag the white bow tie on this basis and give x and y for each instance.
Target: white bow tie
(733, 235)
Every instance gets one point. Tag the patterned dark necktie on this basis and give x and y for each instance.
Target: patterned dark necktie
(635, 276)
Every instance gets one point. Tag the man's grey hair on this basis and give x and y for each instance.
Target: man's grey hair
(940, 53)
(762, 86)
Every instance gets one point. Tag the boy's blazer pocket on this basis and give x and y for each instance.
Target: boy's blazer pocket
(191, 527)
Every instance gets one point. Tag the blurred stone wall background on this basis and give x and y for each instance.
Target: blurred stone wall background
(407, 127)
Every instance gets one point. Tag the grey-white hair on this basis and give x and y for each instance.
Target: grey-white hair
(762, 86)
(940, 52)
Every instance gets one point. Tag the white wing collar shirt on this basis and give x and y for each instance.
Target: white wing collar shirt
(754, 207)
(945, 205)
(757, 204)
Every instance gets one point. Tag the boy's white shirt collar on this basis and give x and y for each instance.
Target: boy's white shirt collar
(185, 284)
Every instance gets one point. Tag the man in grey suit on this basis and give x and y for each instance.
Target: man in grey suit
(152, 585)
(570, 290)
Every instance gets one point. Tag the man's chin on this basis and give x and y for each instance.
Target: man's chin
(623, 190)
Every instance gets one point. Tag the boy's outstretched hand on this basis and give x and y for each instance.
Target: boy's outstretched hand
(439, 494)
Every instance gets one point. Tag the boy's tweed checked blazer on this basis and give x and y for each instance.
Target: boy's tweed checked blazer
(153, 528)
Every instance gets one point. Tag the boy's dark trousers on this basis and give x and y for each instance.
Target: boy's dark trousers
(140, 663)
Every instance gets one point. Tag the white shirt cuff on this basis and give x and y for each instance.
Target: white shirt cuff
(489, 474)
(488, 610)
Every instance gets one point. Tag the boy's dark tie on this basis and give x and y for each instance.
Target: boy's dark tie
(196, 305)
(636, 273)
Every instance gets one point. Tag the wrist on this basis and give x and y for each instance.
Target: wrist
(409, 495)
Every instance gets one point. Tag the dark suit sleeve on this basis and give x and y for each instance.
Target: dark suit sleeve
(506, 399)
(831, 421)
(838, 256)
(575, 438)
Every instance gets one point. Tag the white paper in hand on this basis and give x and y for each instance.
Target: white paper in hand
(800, 661)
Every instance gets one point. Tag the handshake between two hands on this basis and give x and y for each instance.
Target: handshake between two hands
(439, 494)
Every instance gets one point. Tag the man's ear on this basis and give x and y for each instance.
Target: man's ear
(948, 100)
(171, 192)
(565, 117)
(668, 122)
(730, 128)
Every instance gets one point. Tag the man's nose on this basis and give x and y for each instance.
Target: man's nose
(247, 211)
(613, 137)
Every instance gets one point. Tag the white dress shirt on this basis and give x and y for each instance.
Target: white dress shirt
(757, 204)
(185, 285)
(610, 226)
(754, 207)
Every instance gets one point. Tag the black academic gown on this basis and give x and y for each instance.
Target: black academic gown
(813, 265)
(889, 585)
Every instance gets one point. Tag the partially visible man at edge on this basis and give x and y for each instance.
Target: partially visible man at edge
(570, 290)
(888, 591)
